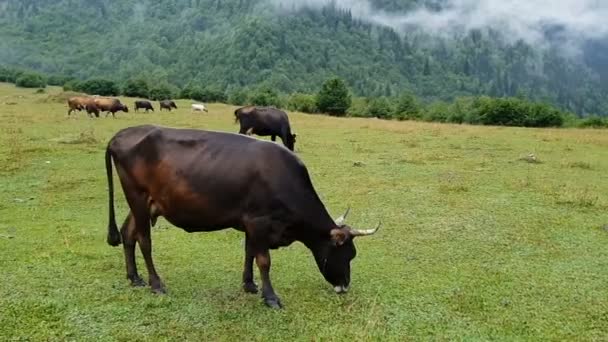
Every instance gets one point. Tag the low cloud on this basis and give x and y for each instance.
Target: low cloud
(568, 21)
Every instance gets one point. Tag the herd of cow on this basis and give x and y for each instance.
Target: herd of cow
(202, 181)
(94, 105)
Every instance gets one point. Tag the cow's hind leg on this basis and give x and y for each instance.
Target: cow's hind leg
(128, 233)
(140, 215)
(248, 285)
(273, 138)
(145, 245)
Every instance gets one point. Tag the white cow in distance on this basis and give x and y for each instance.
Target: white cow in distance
(198, 107)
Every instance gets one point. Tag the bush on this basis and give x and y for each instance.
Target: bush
(9, 74)
(380, 108)
(438, 111)
(594, 122)
(30, 80)
(543, 115)
(516, 112)
(501, 112)
(188, 91)
(137, 88)
(98, 86)
(208, 94)
(58, 80)
(162, 92)
(334, 97)
(359, 107)
(211, 94)
(73, 85)
(238, 97)
(407, 107)
(304, 103)
(265, 97)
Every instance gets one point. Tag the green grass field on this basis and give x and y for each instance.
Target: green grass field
(479, 241)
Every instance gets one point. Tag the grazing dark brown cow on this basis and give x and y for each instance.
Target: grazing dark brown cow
(264, 121)
(110, 106)
(167, 104)
(204, 181)
(143, 105)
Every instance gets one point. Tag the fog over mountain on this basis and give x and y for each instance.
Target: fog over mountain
(568, 22)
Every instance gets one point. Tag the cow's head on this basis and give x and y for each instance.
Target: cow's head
(335, 267)
(291, 141)
(125, 108)
(173, 105)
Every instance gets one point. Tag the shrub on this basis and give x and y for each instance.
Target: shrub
(9, 74)
(334, 97)
(380, 107)
(98, 86)
(304, 103)
(594, 122)
(137, 88)
(238, 97)
(30, 80)
(543, 115)
(516, 112)
(407, 107)
(58, 80)
(265, 97)
(212, 94)
(162, 92)
(359, 107)
(73, 85)
(437, 111)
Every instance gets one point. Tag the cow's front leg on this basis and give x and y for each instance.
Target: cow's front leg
(248, 285)
(262, 259)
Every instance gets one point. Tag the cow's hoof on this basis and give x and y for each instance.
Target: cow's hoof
(250, 287)
(137, 282)
(159, 289)
(273, 303)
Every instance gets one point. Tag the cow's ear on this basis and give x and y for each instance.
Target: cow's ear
(294, 136)
(338, 236)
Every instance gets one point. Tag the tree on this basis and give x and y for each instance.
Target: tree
(137, 88)
(334, 97)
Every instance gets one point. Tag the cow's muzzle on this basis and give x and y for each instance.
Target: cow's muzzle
(341, 289)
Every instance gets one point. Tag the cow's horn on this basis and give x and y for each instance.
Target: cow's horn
(365, 232)
(340, 220)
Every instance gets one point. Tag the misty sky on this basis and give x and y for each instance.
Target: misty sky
(517, 19)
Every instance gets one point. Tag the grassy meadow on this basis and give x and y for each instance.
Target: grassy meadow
(480, 240)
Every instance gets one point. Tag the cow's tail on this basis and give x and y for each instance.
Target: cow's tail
(114, 238)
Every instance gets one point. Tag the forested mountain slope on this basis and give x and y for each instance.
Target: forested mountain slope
(246, 43)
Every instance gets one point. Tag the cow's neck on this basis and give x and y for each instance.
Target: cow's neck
(320, 250)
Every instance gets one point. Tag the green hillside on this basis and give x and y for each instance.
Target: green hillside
(232, 44)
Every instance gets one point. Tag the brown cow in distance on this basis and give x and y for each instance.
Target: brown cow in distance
(110, 105)
(203, 181)
(78, 103)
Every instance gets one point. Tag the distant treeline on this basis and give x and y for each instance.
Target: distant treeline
(333, 98)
